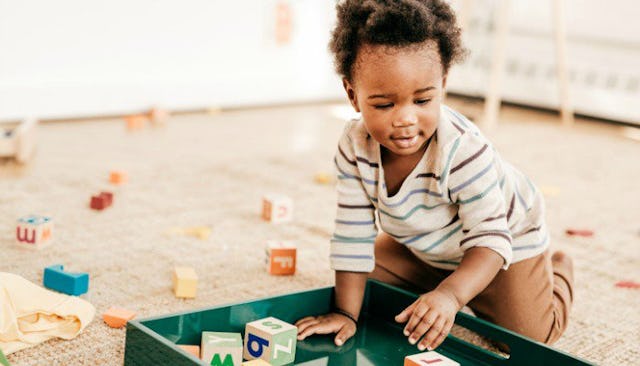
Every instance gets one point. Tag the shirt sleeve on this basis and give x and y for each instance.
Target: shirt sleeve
(352, 244)
(474, 185)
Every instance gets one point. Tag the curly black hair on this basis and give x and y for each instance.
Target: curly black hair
(394, 23)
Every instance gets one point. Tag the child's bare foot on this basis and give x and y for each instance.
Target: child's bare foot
(560, 260)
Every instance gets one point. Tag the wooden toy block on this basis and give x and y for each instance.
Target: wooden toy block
(323, 178)
(277, 208)
(117, 317)
(271, 340)
(221, 349)
(431, 358)
(579, 232)
(256, 362)
(185, 282)
(18, 140)
(118, 177)
(281, 257)
(194, 350)
(135, 122)
(34, 231)
(158, 116)
(101, 201)
(55, 278)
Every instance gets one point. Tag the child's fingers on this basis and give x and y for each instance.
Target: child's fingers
(344, 334)
(307, 328)
(416, 317)
(423, 327)
(433, 333)
(406, 313)
(304, 320)
(438, 341)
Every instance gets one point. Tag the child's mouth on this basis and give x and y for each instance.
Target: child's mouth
(405, 142)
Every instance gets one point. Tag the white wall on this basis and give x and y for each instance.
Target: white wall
(71, 58)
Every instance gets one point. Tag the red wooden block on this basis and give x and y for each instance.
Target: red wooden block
(579, 232)
(108, 197)
(628, 284)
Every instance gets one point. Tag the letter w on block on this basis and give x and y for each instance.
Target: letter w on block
(216, 361)
(24, 237)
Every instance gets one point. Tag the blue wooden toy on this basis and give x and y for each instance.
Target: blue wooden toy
(55, 278)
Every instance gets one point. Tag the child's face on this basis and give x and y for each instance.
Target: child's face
(398, 91)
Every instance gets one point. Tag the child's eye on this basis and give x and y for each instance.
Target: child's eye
(383, 106)
(422, 101)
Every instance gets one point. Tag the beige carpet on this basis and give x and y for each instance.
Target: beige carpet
(212, 170)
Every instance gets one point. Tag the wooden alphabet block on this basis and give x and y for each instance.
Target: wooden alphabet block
(281, 257)
(135, 122)
(117, 317)
(55, 278)
(185, 282)
(34, 231)
(221, 349)
(277, 208)
(101, 201)
(118, 177)
(431, 358)
(158, 116)
(194, 350)
(256, 362)
(271, 340)
(18, 140)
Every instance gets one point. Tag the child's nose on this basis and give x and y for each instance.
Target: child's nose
(405, 120)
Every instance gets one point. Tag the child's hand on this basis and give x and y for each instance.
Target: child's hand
(326, 324)
(432, 315)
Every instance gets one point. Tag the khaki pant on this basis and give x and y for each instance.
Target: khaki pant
(532, 297)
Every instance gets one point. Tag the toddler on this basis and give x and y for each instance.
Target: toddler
(424, 200)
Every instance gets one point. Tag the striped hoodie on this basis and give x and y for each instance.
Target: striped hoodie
(460, 195)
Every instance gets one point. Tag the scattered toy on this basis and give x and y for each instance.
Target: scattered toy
(55, 278)
(323, 178)
(192, 349)
(281, 257)
(200, 232)
(270, 339)
(18, 141)
(628, 284)
(221, 349)
(429, 358)
(118, 177)
(135, 122)
(185, 282)
(277, 208)
(34, 231)
(101, 201)
(579, 232)
(117, 317)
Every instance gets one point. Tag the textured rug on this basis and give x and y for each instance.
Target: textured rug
(204, 170)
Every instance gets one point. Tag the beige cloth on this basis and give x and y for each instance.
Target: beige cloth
(30, 314)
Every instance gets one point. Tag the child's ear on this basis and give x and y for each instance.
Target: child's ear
(444, 85)
(351, 94)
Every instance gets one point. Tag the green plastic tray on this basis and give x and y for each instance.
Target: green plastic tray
(379, 340)
(3, 360)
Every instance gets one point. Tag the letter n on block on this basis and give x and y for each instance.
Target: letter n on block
(271, 340)
(221, 349)
(431, 358)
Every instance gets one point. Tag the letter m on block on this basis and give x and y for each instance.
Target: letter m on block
(228, 361)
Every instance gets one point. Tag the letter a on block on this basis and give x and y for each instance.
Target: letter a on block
(260, 342)
(228, 360)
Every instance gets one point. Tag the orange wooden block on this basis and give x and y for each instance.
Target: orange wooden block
(117, 177)
(281, 258)
(194, 350)
(117, 317)
(135, 122)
